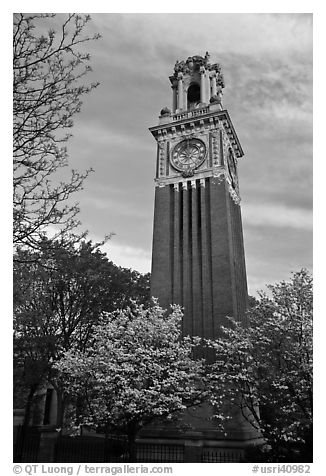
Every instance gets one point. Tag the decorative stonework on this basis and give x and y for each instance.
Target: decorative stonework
(219, 174)
(165, 112)
(230, 169)
(215, 149)
(198, 63)
(161, 146)
(160, 183)
(229, 140)
(196, 121)
(234, 194)
(188, 155)
(178, 180)
(189, 172)
(206, 122)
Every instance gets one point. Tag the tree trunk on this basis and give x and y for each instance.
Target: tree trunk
(25, 425)
(131, 444)
(28, 407)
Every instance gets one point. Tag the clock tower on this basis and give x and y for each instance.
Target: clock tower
(198, 253)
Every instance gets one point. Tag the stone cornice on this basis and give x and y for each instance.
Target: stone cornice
(217, 173)
(195, 121)
(177, 178)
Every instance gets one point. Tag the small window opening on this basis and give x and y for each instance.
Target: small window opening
(193, 96)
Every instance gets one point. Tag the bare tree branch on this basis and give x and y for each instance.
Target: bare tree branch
(48, 70)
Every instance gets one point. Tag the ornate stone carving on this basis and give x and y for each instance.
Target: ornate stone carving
(160, 183)
(188, 155)
(161, 147)
(166, 111)
(196, 122)
(233, 193)
(219, 175)
(215, 149)
(215, 99)
(191, 64)
(189, 172)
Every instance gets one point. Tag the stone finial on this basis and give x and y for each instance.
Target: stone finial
(215, 99)
(179, 66)
(207, 57)
(165, 111)
(192, 63)
(220, 80)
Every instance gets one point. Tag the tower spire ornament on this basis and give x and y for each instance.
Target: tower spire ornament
(197, 80)
(198, 253)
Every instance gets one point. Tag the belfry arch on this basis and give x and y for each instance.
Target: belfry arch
(193, 95)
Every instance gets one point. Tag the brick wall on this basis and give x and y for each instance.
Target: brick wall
(198, 256)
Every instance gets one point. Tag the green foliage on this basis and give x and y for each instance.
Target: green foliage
(59, 295)
(267, 367)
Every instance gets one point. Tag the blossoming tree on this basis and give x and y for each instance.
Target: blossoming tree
(266, 369)
(138, 369)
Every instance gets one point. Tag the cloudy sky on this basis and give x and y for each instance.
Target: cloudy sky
(267, 64)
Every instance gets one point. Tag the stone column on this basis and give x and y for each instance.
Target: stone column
(180, 91)
(213, 84)
(208, 87)
(202, 84)
(174, 97)
(185, 101)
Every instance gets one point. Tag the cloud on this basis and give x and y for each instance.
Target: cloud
(226, 32)
(107, 138)
(277, 215)
(117, 207)
(267, 64)
(128, 256)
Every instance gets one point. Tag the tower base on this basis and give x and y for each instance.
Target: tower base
(197, 438)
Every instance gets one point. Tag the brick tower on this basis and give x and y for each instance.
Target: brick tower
(198, 254)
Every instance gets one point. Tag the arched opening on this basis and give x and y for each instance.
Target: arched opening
(193, 96)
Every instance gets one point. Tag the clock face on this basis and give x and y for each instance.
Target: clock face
(188, 155)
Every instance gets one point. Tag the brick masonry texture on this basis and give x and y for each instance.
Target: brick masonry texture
(198, 255)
